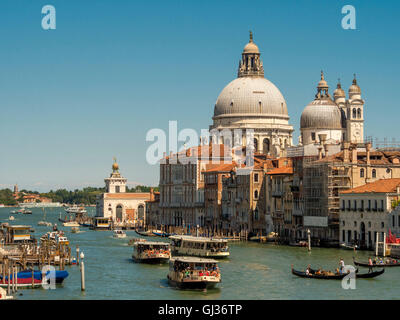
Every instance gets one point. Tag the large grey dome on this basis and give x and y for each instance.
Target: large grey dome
(321, 114)
(251, 96)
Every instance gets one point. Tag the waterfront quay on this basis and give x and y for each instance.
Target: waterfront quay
(260, 270)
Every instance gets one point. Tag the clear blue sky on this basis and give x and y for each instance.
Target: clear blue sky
(74, 97)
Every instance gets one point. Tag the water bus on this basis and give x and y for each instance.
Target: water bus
(151, 251)
(101, 223)
(199, 246)
(193, 273)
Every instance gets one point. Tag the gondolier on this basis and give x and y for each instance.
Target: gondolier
(341, 265)
(370, 264)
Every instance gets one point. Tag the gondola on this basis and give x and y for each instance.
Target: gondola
(336, 276)
(145, 233)
(386, 265)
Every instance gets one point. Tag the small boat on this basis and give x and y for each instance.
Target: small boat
(24, 278)
(119, 234)
(45, 223)
(145, 233)
(151, 252)
(193, 273)
(71, 224)
(258, 238)
(298, 244)
(382, 263)
(75, 209)
(11, 218)
(326, 275)
(159, 233)
(27, 211)
(55, 227)
(75, 229)
(348, 247)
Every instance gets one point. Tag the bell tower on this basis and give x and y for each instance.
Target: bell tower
(355, 114)
(115, 183)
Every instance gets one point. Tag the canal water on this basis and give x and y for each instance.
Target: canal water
(253, 271)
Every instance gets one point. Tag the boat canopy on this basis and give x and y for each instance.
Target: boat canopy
(193, 260)
(197, 239)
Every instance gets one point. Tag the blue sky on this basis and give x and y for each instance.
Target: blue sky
(74, 97)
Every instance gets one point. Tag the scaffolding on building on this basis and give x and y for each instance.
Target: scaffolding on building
(322, 183)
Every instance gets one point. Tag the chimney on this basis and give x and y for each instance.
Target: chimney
(326, 150)
(368, 146)
(346, 155)
(354, 154)
(322, 138)
(320, 153)
(151, 194)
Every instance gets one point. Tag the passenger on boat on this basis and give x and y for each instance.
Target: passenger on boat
(308, 270)
(318, 272)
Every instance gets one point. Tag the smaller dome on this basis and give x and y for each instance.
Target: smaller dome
(251, 47)
(115, 165)
(322, 84)
(321, 114)
(339, 92)
(354, 88)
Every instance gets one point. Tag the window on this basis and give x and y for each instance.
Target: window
(393, 221)
(343, 205)
(343, 223)
(256, 194)
(373, 173)
(382, 205)
(313, 136)
(362, 205)
(369, 205)
(349, 204)
(355, 223)
(116, 189)
(382, 224)
(355, 205)
(256, 177)
(369, 224)
(359, 113)
(344, 236)
(362, 173)
(376, 205)
(354, 113)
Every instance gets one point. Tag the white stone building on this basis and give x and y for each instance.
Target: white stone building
(119, 205)
(369, 209)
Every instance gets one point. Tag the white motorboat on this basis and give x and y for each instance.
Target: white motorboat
(119, 234)
(71, 224)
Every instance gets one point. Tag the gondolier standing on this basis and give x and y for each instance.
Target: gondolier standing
(341, 265)
(370, 264)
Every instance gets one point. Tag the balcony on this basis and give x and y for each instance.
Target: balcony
(277, 193)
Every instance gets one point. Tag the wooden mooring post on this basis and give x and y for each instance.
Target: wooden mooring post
(82, 264)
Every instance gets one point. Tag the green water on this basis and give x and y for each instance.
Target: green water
(253, 271)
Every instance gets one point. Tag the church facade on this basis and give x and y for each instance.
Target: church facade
(117, 204)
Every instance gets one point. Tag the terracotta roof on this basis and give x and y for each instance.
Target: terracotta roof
(205, 150)
(128, 195)
(227, 167)
(379, 186)
(282, 170)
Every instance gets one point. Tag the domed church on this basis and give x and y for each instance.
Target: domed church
(336, 119)
(253, 102)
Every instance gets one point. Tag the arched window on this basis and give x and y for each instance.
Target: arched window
(359, 113)
(373, 173)
(354, 113)
(255, 144)
(362, 173)
(256, 194)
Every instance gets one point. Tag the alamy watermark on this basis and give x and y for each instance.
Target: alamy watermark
(212, 146)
